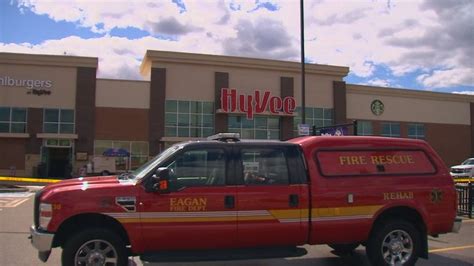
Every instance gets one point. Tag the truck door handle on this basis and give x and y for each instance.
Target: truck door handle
(293, 200)
(229, 202)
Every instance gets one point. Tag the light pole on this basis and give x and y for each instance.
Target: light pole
(303, 97)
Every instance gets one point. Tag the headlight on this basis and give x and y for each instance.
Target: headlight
(45, 215)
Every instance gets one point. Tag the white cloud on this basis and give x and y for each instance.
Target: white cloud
(118, 57)
(464, 92)
(103, 16)
(403, 36)
(447, 78)
(379, 82)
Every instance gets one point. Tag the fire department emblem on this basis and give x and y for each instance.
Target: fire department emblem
(436, 196)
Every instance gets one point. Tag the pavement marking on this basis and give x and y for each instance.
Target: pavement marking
(16, 195)
(468, 221)
(11, 202)
(449, 249)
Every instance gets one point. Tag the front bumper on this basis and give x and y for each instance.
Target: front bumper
(456, 225)
(42, 241)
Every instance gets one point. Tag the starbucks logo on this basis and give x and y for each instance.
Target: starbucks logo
(377, 107)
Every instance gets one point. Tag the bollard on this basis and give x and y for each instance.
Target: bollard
(470, 199)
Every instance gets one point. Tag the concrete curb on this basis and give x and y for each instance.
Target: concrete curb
(6, 188)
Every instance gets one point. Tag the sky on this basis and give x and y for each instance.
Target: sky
(413, 44)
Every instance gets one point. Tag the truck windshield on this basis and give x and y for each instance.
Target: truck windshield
(143, 170)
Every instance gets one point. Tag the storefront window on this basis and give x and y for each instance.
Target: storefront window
(261, 127)
(390, 129)
(138, 152)
(12, 120)
(364, 128)
(319, 117)
(416, 131)
(58, 121)
(189, 119)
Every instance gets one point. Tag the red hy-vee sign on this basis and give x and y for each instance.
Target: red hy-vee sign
(258, 103)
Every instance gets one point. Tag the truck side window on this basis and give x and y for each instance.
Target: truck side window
(204, 167)
(264, 166)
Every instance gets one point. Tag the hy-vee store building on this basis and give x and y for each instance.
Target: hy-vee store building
(55, 113)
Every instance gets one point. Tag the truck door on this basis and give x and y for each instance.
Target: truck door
(200, 210)
(272, 199)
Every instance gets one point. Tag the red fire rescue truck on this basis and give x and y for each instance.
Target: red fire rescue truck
(387, 194)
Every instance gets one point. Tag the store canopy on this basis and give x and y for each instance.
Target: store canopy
(116, 152)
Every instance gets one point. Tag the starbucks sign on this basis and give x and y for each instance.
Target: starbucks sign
(377, 107)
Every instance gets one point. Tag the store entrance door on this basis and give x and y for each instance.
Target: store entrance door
(59, 162)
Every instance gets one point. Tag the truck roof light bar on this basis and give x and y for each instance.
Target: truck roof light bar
(225, 137)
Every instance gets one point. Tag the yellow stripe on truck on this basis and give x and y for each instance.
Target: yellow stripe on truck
(289, 214)
(345, 211)
(277, 215)
(177, 220)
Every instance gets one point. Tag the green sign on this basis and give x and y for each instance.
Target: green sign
(377, 107)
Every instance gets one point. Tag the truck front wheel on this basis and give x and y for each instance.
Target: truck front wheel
(394, 243)
(94, 247)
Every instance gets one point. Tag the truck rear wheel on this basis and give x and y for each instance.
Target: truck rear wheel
(394, 243)
(94, 247)
(344, 248)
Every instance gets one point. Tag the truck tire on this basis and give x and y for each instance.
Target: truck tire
(344, 248)
(94, 247)
(395, 242)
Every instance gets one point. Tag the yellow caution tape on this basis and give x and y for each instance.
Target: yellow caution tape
(463, 180)
(28, 179)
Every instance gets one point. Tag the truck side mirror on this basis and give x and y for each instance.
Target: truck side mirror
(161, 180)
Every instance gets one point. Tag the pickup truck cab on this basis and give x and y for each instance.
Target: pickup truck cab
(387, 194)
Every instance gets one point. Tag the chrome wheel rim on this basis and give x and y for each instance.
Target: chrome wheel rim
(397, 247)
(96, 252)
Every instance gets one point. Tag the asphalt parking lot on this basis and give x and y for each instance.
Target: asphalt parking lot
(16, 215)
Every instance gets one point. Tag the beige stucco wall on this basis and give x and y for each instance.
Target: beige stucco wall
(407, 106)
(63, 89)
(246, 81)
(189, 82)
(191, 76)
(122, 93)
(319, 90)
(185, 81)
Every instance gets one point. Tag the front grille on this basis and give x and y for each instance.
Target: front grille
(36, 208)
(457, 171)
